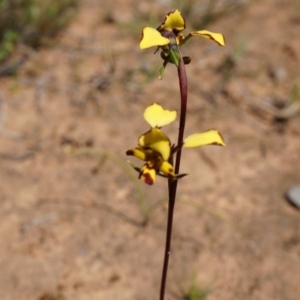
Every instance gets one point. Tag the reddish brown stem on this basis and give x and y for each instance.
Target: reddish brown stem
(172, 184)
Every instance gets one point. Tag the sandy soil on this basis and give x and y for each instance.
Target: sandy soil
(72, 218)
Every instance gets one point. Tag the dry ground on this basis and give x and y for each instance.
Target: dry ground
(72, 225)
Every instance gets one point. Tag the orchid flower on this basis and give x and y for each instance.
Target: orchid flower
(155, 146)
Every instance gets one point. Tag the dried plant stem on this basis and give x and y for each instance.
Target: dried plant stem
(172, 184)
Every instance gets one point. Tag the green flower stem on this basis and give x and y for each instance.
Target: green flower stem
(172, 184)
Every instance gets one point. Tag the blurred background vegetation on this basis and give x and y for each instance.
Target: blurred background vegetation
(32, 22)
(35, 22)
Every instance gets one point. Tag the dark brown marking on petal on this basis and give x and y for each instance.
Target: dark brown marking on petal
(129, 152)
(216, 144)
(183, 21)
(148, 179)
(142, 35)
(211, 37)
(221, 137)
(162, 24)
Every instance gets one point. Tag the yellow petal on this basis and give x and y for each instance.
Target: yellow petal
(210, 137)
(167, 169)
(217, 37)
(156, 116)
(156, 140)
(151, 38)
(173, 21)
(147, 174)
(143, 154)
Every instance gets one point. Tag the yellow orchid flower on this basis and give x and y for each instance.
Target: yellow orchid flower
(170, 31)
(155, 146)
(168, 36)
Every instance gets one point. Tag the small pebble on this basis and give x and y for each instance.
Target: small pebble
(293, 195)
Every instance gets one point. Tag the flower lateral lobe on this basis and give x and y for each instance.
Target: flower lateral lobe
(140, 153)
(148, 174)
(167, 169)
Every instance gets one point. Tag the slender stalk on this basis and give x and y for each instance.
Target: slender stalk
(172, 184)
